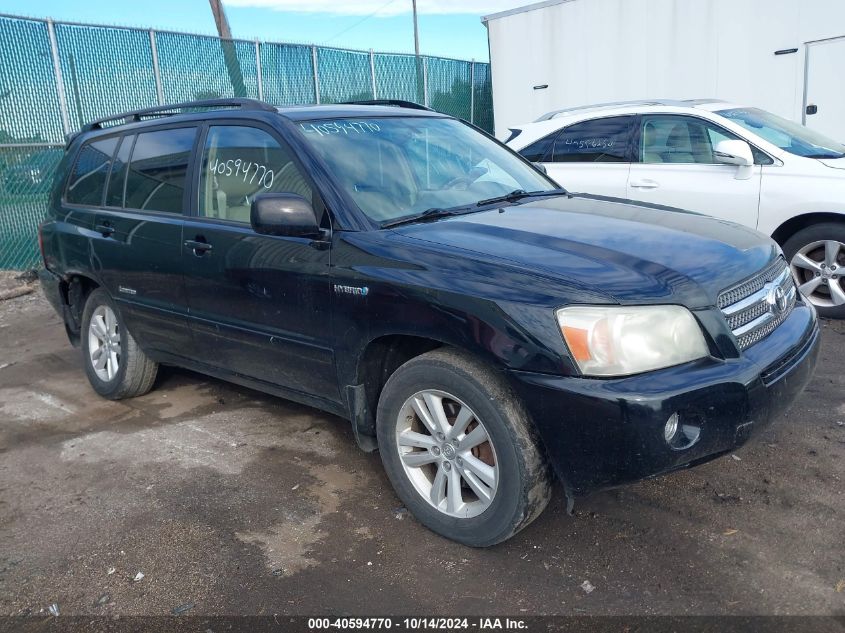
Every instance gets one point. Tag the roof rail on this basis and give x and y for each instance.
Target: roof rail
(399, 103)
(173, 109)
(634, 102)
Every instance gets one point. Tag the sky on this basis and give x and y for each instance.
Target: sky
(448, 28)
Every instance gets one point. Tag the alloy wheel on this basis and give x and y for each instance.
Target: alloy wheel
(447, 453)
(818, 269)
(104, 343)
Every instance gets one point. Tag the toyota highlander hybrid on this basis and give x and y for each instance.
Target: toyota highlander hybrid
(485, 330)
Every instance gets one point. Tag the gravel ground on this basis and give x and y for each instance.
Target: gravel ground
(213, 499)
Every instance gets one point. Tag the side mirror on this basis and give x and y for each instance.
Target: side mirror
(283, 214)
(541, 167)
(733, 152)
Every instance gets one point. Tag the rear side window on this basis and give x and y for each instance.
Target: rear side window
(117, 180)
(158, 170)
(599, 141)
(88, 177)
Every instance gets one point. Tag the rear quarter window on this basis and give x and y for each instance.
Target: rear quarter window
(539, 150)
(90, 170)
(117, 180)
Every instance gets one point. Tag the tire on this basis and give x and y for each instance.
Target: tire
(514, 483)
(126, 373)
(816, 256)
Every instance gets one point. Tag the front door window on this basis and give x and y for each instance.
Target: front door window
(238, 164)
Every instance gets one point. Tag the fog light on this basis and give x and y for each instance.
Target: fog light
(683, 429)
(671, 428)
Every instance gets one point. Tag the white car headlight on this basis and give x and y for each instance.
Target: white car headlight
(622, 340)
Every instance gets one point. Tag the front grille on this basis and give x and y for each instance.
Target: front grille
(755, 307)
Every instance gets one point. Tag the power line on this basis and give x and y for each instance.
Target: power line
(361, 21)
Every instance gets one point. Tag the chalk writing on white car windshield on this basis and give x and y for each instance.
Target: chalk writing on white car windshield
(240, 168)
(340, 127)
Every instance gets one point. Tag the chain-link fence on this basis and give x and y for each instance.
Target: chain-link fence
(55, 76)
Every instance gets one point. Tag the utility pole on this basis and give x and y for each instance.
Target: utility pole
(416, 30)
(220, 19)
(420, 80)
(230, 55)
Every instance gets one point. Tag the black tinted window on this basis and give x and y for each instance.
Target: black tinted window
(599, 141)
(114, 195)
(539, 149)
(158, 170)
(89, 173)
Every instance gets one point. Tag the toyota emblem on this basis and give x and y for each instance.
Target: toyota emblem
(776, 298)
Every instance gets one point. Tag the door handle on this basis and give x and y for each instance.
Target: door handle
(644, 184)
(199, 248)
(105, 229)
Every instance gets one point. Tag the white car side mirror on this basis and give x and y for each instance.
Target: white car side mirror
(733, 152)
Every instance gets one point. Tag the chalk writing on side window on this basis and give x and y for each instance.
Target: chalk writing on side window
(589, 143)
(253, 173)
(349, 128)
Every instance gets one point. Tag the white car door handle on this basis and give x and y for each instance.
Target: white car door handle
(645, 183)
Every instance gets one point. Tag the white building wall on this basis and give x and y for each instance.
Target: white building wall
(593, 51)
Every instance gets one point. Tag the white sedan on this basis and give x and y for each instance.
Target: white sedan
(733, 162)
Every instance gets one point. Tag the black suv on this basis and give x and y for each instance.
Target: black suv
(395, 266)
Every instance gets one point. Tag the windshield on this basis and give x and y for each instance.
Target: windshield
(787, 135)
(394, 167)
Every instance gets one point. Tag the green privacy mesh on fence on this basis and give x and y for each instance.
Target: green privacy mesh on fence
(287, 72)
(56, 76)
(198, 67)
(343, 75)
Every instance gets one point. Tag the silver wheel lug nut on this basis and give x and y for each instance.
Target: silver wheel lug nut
(441, 437)
(435, 450)
(460, 462)
(447, 466)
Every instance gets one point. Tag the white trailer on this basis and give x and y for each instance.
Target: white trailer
(786, 56)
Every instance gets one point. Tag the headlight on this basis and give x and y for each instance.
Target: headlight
(619, 340)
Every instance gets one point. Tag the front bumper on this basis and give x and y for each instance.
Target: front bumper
(603, 433)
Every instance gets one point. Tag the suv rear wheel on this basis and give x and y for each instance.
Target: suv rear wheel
(460, 450)
(115, 365)
(816, 256)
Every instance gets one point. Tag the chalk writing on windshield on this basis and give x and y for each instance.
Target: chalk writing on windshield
(349, 128)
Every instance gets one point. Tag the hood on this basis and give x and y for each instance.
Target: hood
(629, 252)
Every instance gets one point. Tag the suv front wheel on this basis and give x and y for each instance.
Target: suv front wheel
(115, 365)
(460, 449)
(816, 256)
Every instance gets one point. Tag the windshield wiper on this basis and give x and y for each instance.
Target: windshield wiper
(428, 214)
(437, 212)
(519, 194)
(829, 155)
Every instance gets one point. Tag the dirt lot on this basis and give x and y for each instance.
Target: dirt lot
(232, 502)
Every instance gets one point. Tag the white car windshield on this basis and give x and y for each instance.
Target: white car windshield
(394, 167)
(787, 135)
